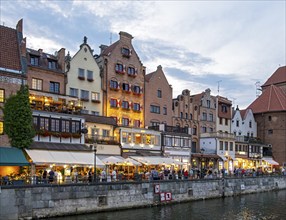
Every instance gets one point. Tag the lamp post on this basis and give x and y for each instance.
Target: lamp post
(93, 147)
(202, 155)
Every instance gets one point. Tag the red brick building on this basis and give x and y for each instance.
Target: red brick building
(270, 114)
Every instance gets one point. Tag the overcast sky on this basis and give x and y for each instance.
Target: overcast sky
(200, 44)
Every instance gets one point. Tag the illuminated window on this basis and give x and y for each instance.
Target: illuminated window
(1, 127)
(37, 84)
(2, 95)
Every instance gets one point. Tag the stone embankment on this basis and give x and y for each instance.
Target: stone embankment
(36, 201)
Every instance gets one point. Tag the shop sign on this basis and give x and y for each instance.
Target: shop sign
(168, 196)
(162, 197)
(157, 188)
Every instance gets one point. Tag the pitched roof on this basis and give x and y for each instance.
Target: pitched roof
(271, 100)
(149, 76)
(243, 113)
(9, 49)
(278, 76)
(100, 119)
(110, 48)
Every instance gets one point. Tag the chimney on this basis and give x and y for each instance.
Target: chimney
(124, 36)
(159, 67)
(61, 58)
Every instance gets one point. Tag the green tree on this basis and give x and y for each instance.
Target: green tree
(18, 119)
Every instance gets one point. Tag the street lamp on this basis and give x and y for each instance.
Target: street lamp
(93, 147)
(202, 155)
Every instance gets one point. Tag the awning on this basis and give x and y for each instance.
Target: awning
(11, 156)
(157, 160)
(63, 157)
(270, 160)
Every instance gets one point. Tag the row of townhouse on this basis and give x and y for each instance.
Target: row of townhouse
(111, 96)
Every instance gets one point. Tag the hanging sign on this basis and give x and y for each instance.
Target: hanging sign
(162, 197)
(168, 196)
(157, 188)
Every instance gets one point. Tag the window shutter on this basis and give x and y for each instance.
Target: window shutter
(136, 71)
(118, 102)
(129, 105)
(129, 87)
(130, 52)
(141, 89)
(118, 85)
(124, 68)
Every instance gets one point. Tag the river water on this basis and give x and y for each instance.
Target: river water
(268, 205)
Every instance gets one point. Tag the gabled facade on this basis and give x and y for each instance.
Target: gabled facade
(186, 115)
(122, 82)
(12, 67)
(158, 99)
(84, 81)
(243, 123)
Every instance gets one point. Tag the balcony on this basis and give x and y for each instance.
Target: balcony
(247, 139)
(218, 135)
(100, 139)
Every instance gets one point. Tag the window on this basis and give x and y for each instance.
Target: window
(113, 103)
(119, 68)
(226, 145)
(224, 108)
(95, 96)
(191, 116)
(84, 111)
(204, 129)
(125, 52)
(75, 126)
(34, 61)
(231, 146)
(269, 118)
(52, 64)
(55, 125)
(211, 117)
(237, 123)
(90, 75)
(181, 114)
(125, 105)
(186, 115)
(55, 87)
(80, 73)
(248, 134)
(1, 127)
(226, 121)
(208, 103)
(164, 110)
(84, 95)
(73, 92)
(236, 147)
(155, 109)
(211, 130)
(65, 126)
(220, 121)
(105, 133)
(125, 87)
(95, 113)
(221, 145)
(204, 116)
(136, 89)
(44, 123)
(136, 106)
(250, 124)
(159, 93)
(37, 84)
(194, 131)
(270, 131)
(131, 71)
(114, 84)
(2, 95)
(137, 123)
(125, 121)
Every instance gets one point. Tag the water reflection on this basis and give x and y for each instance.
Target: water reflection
(261, 206)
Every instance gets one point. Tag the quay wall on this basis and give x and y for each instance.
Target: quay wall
(43, 201)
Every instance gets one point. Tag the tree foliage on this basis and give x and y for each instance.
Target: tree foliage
(18, 119)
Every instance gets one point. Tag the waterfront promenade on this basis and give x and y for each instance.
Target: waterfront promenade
(47, 200)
